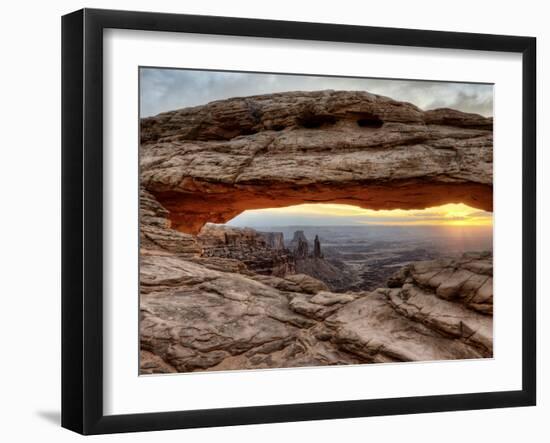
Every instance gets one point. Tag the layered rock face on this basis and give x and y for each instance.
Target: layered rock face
(261, 252)
(265, 253)
(468, 280)
(209, 163)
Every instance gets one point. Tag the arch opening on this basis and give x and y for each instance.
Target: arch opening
(190, 211)
(347, 247)
(331, 214)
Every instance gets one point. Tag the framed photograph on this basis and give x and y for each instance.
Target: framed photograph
(269, 221)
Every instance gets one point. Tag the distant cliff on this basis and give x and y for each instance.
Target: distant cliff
(265, 253)
(261, 252)
(337, 278)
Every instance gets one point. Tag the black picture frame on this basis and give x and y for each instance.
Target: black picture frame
(82, 219)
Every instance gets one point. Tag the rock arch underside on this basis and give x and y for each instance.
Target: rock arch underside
(202, 310)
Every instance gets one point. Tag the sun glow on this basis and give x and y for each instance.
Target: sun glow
(453, 214)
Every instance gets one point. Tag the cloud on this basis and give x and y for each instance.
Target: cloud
(168, 89)
(478, 100)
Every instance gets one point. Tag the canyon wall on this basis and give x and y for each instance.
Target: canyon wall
(265, 253)
(261, 252)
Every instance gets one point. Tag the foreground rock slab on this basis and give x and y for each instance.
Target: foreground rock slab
(196, 318)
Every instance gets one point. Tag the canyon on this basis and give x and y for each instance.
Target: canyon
(267, 253)
(224, 298)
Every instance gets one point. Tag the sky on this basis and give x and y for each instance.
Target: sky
(164, 90)
(340, 215)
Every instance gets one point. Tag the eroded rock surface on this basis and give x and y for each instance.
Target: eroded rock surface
(467, 280)
(209, 163)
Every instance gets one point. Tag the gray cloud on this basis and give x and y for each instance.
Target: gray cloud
(168, 89)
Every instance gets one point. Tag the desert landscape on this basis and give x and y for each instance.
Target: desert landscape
(219, 294)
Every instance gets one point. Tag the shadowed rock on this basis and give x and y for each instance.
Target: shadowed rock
(317, 248)
(300, 245)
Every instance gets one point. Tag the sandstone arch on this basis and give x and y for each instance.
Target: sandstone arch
(209, 163)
